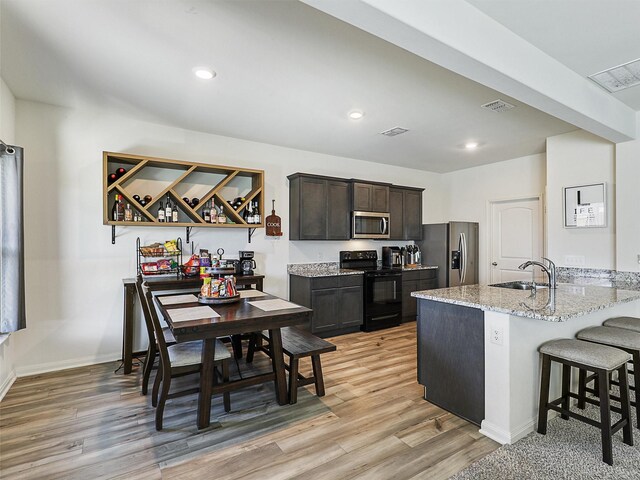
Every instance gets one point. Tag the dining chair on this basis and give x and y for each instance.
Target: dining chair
(179, 360)
(152, 350)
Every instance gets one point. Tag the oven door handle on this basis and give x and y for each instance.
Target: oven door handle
(391, 275)
(385, 317)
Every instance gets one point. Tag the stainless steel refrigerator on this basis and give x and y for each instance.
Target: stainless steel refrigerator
(453, 247)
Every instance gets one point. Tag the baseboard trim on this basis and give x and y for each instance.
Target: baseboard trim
(503, 436)
(6, 385)
(65, 364)
(495, 433)
(511, 436)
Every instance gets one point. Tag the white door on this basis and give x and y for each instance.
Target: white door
(516, 236)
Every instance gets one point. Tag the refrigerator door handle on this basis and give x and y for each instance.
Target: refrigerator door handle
(460, 260)
(464, 258)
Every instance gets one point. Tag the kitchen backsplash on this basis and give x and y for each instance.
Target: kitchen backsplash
(566, 273)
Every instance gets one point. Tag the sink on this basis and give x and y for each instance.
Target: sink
(520, 285)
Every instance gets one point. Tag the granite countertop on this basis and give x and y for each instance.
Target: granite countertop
(331, 269)
(419, 267)
(568, 300)
(326, 269)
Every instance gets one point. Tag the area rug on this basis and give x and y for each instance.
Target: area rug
(570, 450)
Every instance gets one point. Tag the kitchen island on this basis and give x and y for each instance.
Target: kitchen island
(477, 346)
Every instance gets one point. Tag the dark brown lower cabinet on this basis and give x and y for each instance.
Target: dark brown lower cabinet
(336, 301)
(451, 358)
(413, 281)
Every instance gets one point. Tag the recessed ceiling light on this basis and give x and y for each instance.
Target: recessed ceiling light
(356, 115)
(471, 145)
(204, 73)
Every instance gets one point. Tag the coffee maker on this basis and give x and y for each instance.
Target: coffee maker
(391, 257)
(247, 263)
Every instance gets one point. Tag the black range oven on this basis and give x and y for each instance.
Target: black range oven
(382, 289)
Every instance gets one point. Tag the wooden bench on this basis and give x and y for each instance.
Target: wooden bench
(297, 344)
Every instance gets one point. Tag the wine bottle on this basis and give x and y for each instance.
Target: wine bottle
(256, 213)
(120, 172)
(206, 213)
(143, 203)
(168, 215)
(214, 212)
(136, 198)
(174, 213)
(112, 177)
(148, 198)
(128, 214)
(161, 213)
(194, 201)
(114, 210)
(247, 215)
(120, 209)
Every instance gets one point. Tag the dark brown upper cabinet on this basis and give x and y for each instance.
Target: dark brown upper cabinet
(318, 208)
(370, 197)
(405, 213)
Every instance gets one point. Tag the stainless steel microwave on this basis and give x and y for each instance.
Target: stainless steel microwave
(370, 225)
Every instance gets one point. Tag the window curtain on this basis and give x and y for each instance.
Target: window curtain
(12, 293)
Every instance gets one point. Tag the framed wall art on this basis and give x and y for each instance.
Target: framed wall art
(585, 206)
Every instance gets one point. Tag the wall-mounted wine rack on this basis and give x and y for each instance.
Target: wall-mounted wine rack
(181, 181)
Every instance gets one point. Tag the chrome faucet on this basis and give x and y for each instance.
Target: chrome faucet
(550, 270)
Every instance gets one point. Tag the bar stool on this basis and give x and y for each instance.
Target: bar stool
(599, 359)
(626, 340)
(628, 323)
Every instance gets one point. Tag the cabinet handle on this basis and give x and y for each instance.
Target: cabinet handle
(495, 264)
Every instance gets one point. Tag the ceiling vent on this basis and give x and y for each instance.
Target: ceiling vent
(620, 77)
(392, 132)
(498, 106)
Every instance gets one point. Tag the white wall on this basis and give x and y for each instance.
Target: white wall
(627, 201)
(580, 158)
(471, 190)
(7, 343)
(74, 288)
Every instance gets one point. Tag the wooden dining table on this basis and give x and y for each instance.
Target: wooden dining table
(234, 318)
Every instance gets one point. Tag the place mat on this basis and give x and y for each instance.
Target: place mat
(251, 293)
(191, 313)
(176, 299)
(275, 304)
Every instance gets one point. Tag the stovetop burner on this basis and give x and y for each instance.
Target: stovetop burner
(366, 260)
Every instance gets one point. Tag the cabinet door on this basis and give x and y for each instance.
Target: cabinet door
(428, 284)
(313, 209)
(409, 303)
(379, 198)
(350, 306)
(396, 222)
(338, 212)
(325, 310)
(362, 197)
(412, 214)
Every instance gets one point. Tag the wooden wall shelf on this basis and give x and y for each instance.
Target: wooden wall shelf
(160, 177)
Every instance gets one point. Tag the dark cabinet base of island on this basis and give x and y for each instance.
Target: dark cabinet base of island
(451, 358)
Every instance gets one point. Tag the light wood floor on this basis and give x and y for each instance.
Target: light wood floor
(89, 423)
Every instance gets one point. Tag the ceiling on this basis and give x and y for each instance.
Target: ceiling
(288, 74)
(587, 36)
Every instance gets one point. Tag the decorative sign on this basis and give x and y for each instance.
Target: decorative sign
(585, 206)
(273, 222)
